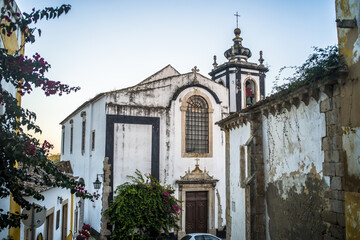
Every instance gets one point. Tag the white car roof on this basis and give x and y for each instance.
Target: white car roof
(197, 234)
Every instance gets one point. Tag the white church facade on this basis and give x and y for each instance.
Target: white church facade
(165, 126)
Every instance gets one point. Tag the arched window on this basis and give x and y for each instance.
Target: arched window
(250, 92)
(197, 125)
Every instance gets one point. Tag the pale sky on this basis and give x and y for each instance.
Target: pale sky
(106, 45)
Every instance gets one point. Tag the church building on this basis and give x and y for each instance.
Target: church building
(165, 126)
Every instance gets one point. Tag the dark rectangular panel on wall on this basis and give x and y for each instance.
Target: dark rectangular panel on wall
(262, 85)
(155, 141)
(228, 84)
(238, 90)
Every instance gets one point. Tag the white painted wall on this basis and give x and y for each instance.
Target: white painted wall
(232, 89)
(238, 137)
(132, 151)
(223, 78)
(89, 164)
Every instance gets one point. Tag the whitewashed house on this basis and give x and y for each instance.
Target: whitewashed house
(165, 125)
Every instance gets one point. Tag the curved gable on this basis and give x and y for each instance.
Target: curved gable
(177, 93)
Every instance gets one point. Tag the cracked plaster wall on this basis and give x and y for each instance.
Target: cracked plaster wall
(292, 142)
(294, 180)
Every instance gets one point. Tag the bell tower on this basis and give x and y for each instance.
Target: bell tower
(245, 80)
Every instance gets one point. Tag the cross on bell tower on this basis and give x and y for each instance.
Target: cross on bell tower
(237, 19)
(245, 80)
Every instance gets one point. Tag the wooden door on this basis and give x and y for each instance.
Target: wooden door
(196, 212)
(49, 227)
(64, 222)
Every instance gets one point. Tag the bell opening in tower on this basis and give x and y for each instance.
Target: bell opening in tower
(250, 92)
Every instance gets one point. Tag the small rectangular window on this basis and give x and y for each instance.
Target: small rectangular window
(83, 137)
(242, 166)
(57, 219)
(71, 138)
(63, 140)
(76, 220)
(93, 140)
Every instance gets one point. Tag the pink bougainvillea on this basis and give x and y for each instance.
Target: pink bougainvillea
(84, 233)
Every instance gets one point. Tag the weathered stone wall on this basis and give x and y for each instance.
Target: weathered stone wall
(348, 18)
(257, 187)
(333, 165)
(107, 190)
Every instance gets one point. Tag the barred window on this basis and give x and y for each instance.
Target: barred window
(197, 125)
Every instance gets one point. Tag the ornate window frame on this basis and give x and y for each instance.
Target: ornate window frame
(183, 108)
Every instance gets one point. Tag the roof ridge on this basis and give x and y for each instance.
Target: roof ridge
(169, 65)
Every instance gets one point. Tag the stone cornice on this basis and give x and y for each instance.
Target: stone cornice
(239, 64)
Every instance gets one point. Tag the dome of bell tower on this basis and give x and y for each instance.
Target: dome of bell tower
(237, 51)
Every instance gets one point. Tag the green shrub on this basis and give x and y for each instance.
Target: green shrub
(143, 209)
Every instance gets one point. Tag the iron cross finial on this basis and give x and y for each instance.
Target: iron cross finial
(195, 70)
(237, 19)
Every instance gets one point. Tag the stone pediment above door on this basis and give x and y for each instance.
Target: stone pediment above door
(197, 176)
(196, 182)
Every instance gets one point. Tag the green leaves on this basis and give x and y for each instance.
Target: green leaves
(23, 74)
(323, 62)
(143, 209)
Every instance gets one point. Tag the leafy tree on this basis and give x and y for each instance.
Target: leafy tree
(143, 209)
(17, 145)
